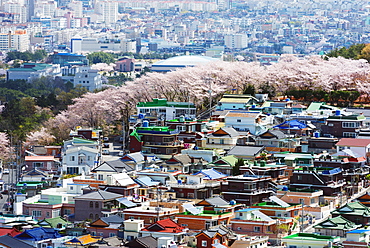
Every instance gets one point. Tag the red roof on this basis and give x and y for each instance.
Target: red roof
(360, 159)
(9, 231)
(352, 142)
(39, 158)
(165, 226)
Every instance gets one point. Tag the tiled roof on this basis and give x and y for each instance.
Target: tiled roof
(352, 142)
(9, 241)
(38, 234)
(211, 174)
(99, 195)
(246, 150)
(339, 223)
(83, 240)
(164, 226)
(9, 231)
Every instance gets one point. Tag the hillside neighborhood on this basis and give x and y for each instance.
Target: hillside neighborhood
(250, 172)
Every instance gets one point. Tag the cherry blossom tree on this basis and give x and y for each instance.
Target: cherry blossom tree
(40, 137)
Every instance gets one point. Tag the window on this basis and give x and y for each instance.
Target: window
(350, 124)
(47, 214)
(71, 187)
(91, 216)
(313, 200)
(101, 234)
(112, 234)
(96, 216)
(100, 177)
(91, 204)
(38, 164)
(257, 229)
(36, 213)
(349, 135)
(67, 212)
(72, 158)
(204, 243)
(238, 120)
(96, 204)
(299, 177)
(93, 233)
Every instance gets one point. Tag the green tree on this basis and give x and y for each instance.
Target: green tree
(100, 57)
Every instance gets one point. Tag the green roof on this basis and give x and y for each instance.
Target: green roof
(53, 222)
(230, 160)
(353, 208)
(157, 102)
(273, 204)
(155, 128)
(136, 135)
(311, 236)
(37, 67)
(339, 223)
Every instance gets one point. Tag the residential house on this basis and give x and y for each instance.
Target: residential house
(162, 142)
(358, 146)
(119, 183)
(53, 202)
(293, 127)
(365, 199)
(54, 151)
(149, 214)
(217, 203)
(359, 238)
(225, 138)
(277, 141)
(278, 209)
(138, 161)
(38, 236)
(194, 186)
(143, 242)
(246, 152)
(132, 228)
(224, 164)
(278, 107)
(78, 160)
(58, 223)
(147, 186)
(343, 126)
(106, 226)
(162, 109)
(250, 242)
(248, 121)
(279, 173)
(327, 179)
(164, 177)
(43, 163)
(190, 129)
(106, 168)
(9, 241)
(355, 212)
(10, 231)
(252, 222)
(82, 241)
(233, 101)
(203, 219)
(309, 240)
(165, 228)
(214, 236)
(247, 189)
(211, 174)
(81, 135)
(309, 198)
(96, 204)
(180, 162)
(337, 226)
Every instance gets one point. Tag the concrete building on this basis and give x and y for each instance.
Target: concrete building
(14, 40)
(236, 41)
(108, 10)
(88, 78)
(30, 71)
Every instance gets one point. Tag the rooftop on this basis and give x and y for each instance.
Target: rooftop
(310, 236)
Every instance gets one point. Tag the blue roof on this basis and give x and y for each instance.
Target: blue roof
(359, 231)
(126, 202)
(292, 125)
(38, 234)
(211, 174)
(331, 172)
(146, 181)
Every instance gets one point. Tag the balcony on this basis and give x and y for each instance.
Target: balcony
(195, 185)
(358, 171)
(173, 143)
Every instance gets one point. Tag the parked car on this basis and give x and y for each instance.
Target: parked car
(106, 152)
(120, 154)
(6, 171)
